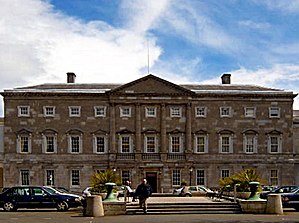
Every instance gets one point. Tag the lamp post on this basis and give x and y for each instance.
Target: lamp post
(190, 172)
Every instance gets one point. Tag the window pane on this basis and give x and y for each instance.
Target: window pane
(125, 176)
(200, 144)
(224, 173)
(274, 144)
(249, 144)
(24, 177)
(273, 177)
(100, 144)
(24, 144)
(150, 144)
(175, 144)
(50, 180)
(75, 144)
(49, 144)
(125, 144)
(200, 177)
(225, 142)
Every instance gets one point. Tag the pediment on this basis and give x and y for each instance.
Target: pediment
(151, 85)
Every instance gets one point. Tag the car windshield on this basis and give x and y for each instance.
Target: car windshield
(51, 190)
(295, 190)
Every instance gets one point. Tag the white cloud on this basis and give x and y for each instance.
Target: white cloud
(291, 6)
(255, 25)
(39, 45)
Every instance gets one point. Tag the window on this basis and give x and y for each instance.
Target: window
(75, 177)
(100, 144)
(176, 177)
(23, 111)
(200, 177)
(250, 143)
(50, 178)
(125, 176)
(274, 143)
(200, 111)
(150, 144)
(24, 177)
(74, 111)
(49, 111)
(150, 112)
(24, 143)
(100, 111)
(175, 144)
(250, 112)
(75, 144)
(226, 145)
(125, 144)
(225, 112)
(273, 177)
(175, 112)
(201, 144)
(125, 112)
(274, 112)
(49, 143)
(225, 173)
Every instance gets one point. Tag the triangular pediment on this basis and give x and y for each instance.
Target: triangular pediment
(151, 85)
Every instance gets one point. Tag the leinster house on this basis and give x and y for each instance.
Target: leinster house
(60, 134)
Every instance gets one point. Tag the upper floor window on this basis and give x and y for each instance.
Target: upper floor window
(49, 143)
(150, 144)
(49, 111)
(250, 112)
(176, 144)
(150, 112)
(74, 111)
(75, 143)
(100, 144)
(200, 111)
(274, 143)
(24, 143)
(176, 177)
(100, 111)
(201, 144)
(175, 112)
(225, 143)
(24, 177)
(225, 112)
(125, 144)
(250, 143)
(274, 112)
(125, 112)
(23, 111)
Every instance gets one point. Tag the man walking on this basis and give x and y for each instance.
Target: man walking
(143, 191)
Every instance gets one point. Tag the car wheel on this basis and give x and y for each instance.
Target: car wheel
(9, 206)
(62, 206)
(297, 208)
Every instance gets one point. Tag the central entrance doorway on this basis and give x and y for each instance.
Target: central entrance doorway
(152, 179)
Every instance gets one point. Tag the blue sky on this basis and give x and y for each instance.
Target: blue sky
(107, 41)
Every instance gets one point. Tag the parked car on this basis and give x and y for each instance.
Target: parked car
(278, 190)
(37, 197)
(291, 199)
(86, 192)
(192, 191)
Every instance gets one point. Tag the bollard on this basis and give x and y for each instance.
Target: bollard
(274, 205)
(94, 206)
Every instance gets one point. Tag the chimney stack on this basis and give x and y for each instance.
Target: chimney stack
(225, 78)
(71, 77)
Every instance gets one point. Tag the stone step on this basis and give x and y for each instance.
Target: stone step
(185, 208)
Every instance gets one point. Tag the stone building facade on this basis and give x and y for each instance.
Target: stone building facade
(60, 134)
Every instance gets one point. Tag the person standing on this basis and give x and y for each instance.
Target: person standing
(143, 191)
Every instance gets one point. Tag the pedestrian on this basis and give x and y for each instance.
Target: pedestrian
(143, 191)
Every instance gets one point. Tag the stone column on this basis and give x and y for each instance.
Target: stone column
(163, 148)
(138, 149)
(188, 148)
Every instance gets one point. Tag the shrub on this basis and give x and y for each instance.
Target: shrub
(99, 179)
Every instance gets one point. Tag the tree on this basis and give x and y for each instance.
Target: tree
(99, 179)
(242, 178)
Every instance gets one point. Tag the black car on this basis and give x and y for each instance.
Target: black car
(278, 190)
(291, 199)
(37, 197)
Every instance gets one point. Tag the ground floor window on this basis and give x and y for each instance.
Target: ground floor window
(224, 173)
(125, 176)
(273, 177)
(75, 177)
(200, 177)
(24, 177)
(50, 177)
(176, 177)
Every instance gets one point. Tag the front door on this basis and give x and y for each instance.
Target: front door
(152, 180)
